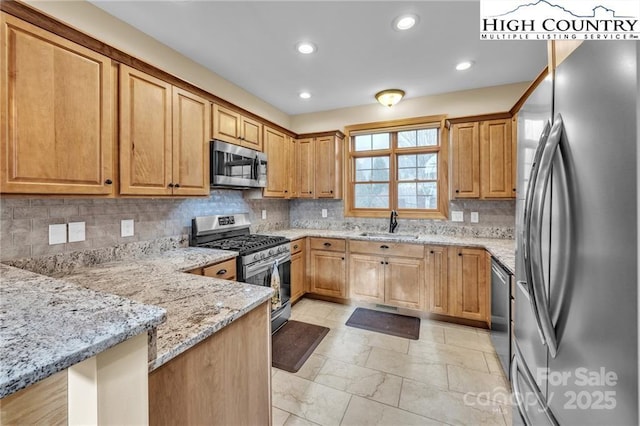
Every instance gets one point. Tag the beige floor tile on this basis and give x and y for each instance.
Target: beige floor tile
(489, 385)
(448, 407)
(318, 309)
(340, 347)
(378, 340)
(431, 332)
(325, 322)
(297, 421)
(409, 366)
(311, 367)
(278, 416)
(311, 401)
(364, 412)
(507, 413)
(493, 363)
(448, 354)
(468, 339)
(372, 384)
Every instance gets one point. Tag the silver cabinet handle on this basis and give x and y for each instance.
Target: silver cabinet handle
(520, 368)
(526, 237)
(536, 218)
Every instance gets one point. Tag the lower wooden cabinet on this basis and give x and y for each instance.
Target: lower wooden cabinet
(437, 280)
(225, 379)
(225, 270)
(468, 283)
(298, 269)
(379, 274)
(328, 267)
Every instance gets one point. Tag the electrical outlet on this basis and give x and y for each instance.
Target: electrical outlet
(264, 214)
(76, 232)
(474, 217)
(57, 234)
(324, 212)
(457, 216)
(126, 228)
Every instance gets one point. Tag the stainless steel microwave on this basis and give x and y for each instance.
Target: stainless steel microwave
(234, 166)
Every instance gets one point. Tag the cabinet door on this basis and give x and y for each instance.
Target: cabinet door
(366, 278)
(466, 160)
(495, 159)
(251, 133)
(145, 134)
(325, 167)
(305, 168)
(328, 273)
(226, 125)
(404, 282)
(191, 130)
(57, 114)
(297, 276)
(224, 270)
(293, 157)
(278, 165)
(437, 281)
(514, 154)
(469, 275)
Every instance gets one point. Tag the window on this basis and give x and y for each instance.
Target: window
(397, 166)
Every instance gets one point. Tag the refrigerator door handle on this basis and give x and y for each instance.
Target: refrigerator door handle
(536, 217)
(526, 238)
(520, 368)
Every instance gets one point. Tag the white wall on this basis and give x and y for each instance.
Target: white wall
(95, 22)
(454, 104)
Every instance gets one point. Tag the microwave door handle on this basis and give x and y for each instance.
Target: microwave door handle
(254, 168)
(539, 198)
(526, 238)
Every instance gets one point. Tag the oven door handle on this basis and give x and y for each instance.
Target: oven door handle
(253, 270)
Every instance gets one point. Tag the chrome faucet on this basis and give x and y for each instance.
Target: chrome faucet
(393, 221)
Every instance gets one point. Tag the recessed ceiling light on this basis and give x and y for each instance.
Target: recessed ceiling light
(305, 95)
(464, 65)
(405, 22)
(306, 47)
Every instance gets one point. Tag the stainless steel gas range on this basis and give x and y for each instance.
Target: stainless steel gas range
(258, 253)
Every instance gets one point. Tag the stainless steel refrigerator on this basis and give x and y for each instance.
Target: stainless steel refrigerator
(576, 312)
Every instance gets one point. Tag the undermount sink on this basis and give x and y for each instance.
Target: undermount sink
(389, 236)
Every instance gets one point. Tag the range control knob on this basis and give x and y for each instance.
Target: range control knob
(271, 252)
(256, 257)
(262, 255)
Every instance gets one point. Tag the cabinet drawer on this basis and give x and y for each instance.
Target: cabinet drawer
(297, 246)
(225, 270)
(330, 244)
(387, 249)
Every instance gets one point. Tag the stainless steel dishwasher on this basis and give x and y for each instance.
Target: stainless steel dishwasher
(501, 313)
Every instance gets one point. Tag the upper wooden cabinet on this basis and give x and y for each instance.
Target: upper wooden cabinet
(482, 159)
(277, 150)
(319, 167)
(233, 127)
(496, 169)
(468, 284)
(57, 114)
(465, 167)
(163, 137)
(294, 153)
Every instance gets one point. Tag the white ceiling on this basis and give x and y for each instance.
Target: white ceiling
(252, 44)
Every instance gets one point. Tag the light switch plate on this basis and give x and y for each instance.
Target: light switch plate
(264, 214)
(126, 228)
(77, 232)
(57, 234)
(457, 216)
(324, 212)
(474, 217)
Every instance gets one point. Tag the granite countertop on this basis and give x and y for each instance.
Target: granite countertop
(196, 306)
(48, 325)
(502, 249)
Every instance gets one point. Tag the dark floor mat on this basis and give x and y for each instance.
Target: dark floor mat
(385, 322)
(294, 343)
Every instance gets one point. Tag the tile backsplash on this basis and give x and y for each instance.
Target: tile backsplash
(496, 219)
(24, 222)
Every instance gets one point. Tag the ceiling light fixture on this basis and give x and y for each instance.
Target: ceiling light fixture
(306, 47)
(305, 95)
(464, 65)
(405, 22)
(389, 97)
